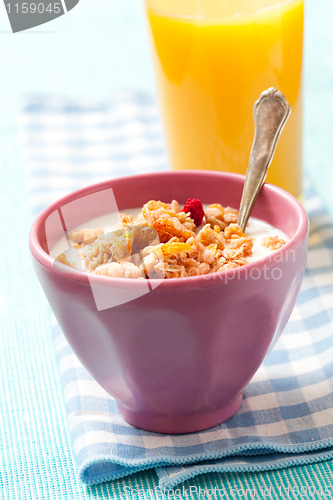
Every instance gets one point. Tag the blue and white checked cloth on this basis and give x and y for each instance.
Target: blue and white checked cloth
(287, 414)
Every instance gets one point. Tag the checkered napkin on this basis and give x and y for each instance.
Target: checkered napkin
(286, 416)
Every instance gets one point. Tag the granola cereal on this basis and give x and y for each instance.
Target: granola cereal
(163, 241)
(273, 242)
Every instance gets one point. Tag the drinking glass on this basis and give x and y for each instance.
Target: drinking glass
(213, 58)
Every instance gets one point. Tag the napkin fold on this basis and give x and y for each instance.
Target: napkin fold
(286, 417)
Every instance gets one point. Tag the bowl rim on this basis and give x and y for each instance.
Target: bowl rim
(41, 256)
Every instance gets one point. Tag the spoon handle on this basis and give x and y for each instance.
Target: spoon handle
(271, 112)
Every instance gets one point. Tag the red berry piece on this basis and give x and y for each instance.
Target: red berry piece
(194, 206)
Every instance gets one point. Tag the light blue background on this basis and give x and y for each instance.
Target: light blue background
(97, 49)
(102, 46)
(94, 50)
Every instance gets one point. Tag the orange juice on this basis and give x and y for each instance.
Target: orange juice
(213, 58)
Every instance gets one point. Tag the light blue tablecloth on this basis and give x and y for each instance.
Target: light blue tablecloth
(286, 417)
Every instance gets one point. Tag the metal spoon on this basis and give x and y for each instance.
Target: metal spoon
(271, 112)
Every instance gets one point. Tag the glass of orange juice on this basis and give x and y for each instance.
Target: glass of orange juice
(213, 58)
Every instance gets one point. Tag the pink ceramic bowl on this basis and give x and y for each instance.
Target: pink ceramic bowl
(177, 356)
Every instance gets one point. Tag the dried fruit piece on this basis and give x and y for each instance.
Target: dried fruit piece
(175, 248)
(195, 208)
(63, 259)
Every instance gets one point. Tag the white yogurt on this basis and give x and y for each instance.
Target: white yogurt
(259, 230)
